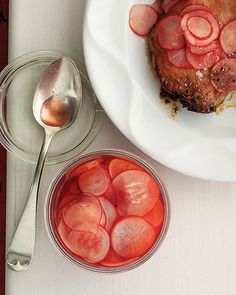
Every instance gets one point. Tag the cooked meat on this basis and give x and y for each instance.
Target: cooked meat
(192, 87)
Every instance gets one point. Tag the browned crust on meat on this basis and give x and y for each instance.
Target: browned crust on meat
(193, 88)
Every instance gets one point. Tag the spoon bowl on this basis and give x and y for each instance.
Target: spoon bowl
(56, 102)
(58, 96)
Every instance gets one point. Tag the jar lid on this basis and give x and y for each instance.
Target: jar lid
(20, 134)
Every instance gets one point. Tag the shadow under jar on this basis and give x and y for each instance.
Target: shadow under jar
(107, 211)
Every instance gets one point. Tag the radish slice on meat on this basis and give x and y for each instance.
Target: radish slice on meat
(132, 237)
(178, 59)
(117, 166)
(194, 7)
(141, 19)
(136, 192)
(205, 49)
(223, 75)
(156, 215)
(84, 215)
(110, 213)
(211, 19)
(90, 246)
(204, 61)
(228, 38)
(170, 34)
(199, 27)
(94, 181)
(167, 5)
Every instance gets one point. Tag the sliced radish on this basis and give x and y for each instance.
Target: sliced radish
(94, 181)
(223, 75)
(141, 18)
(204, 50)
(178, 59)
(85, 167)
(170, 34)
(67, 199)
(114, 260)
(210, 18)
(110, 195)
(204, 61)
(110, 213)
(103, 219)
(228, 39)
(91, 247)
(156, 215)
(157, 5)
(117, 166)
(199, 27)
(132, 237)
(63, 231)
(83, 215)
(71, 186)
(136, 192)
(194, 7)
(167, 5)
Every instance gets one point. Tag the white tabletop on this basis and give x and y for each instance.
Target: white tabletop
(199, 253)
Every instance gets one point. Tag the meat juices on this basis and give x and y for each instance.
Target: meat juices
(110, 212)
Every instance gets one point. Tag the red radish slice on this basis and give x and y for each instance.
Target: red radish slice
(156, 215)
(59, 215)
(136, 192)
(117, 166)
(199, 27)
(204, 50)
(110, 213)
(170, 34)
(223, 75)
(157, 6)
(67, 200)
(204, 61)
(114, 260)
(178, 59)
(141, 19)
(194, 7)
(103, 219)
(85, 167)
(132, 237)
(71, 186)
(91, 247)
(84, 215)
(110, 195)
(228, 38)
(94, 181)
(208, 16)
(167, 5)
(63, 231)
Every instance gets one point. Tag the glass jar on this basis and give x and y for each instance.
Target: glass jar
(52, 200)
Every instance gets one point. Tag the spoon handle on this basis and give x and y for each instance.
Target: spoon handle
(21, 249)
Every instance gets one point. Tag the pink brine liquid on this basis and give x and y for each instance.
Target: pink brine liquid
(109, 212)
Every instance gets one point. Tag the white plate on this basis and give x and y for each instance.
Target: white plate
(198, 145)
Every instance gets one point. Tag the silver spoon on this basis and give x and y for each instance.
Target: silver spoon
(56, 102)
